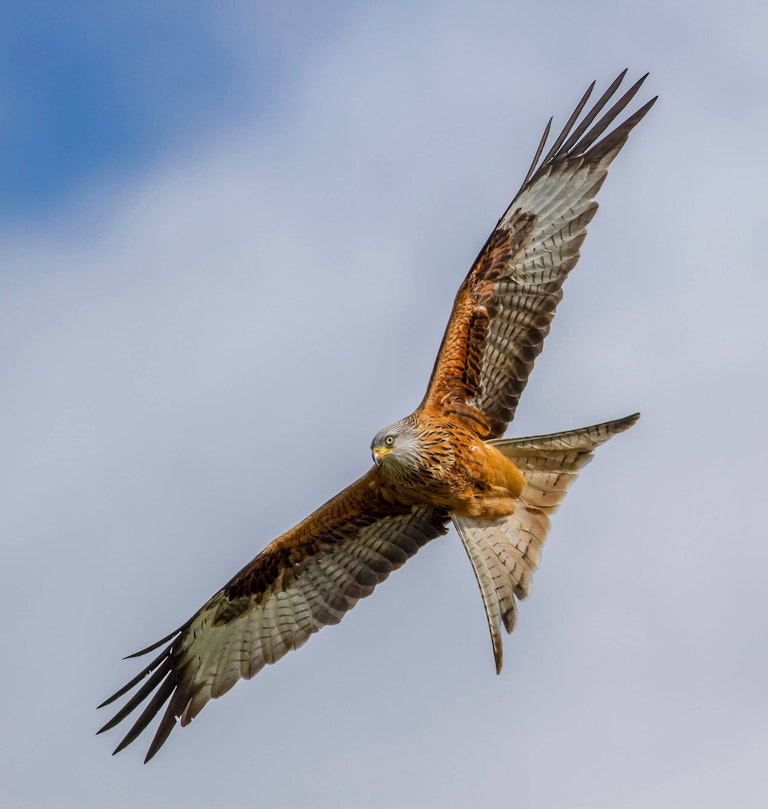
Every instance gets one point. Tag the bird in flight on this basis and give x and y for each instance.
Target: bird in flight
(446, 462)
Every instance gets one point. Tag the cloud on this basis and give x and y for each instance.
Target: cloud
(195, 355)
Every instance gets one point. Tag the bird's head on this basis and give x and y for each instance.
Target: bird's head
(397, 445)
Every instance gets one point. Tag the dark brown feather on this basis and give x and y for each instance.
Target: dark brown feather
(456, 375)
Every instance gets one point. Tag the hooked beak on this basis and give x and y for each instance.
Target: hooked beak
(379, 453)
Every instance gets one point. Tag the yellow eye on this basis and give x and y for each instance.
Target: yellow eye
(389, 440)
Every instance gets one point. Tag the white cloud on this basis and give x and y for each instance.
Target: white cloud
(197, 357)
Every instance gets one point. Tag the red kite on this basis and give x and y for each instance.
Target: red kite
(445, 462)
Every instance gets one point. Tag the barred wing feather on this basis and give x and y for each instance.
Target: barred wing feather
(305, 580)
(505, 306)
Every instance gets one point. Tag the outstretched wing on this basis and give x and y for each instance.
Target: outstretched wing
(504, 307)
(304, 580)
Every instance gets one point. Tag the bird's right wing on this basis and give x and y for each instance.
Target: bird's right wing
(304, 580)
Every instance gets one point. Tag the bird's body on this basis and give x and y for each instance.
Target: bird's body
(439, 460)
(446, 462)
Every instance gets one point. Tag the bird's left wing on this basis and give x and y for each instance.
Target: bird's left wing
(306, 579)
(504, 308)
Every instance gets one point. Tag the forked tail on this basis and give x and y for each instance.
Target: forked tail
(505, 552)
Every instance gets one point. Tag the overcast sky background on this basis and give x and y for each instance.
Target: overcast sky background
(230, 240)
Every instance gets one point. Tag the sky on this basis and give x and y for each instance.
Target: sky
(230, 236)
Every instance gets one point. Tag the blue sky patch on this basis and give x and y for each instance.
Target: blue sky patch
(95, 88)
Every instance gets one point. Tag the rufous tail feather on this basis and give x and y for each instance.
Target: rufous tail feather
(505, 552)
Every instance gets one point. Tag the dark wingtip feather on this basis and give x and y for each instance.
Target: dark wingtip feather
(539, 150)
(139, 697)
(167, 724)
(577, 138)
(619, 135)
(593, 113)
(148, 669)
(609, 117)
(162, 695)
(160, 679)
(155, 644)
(571, 121)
